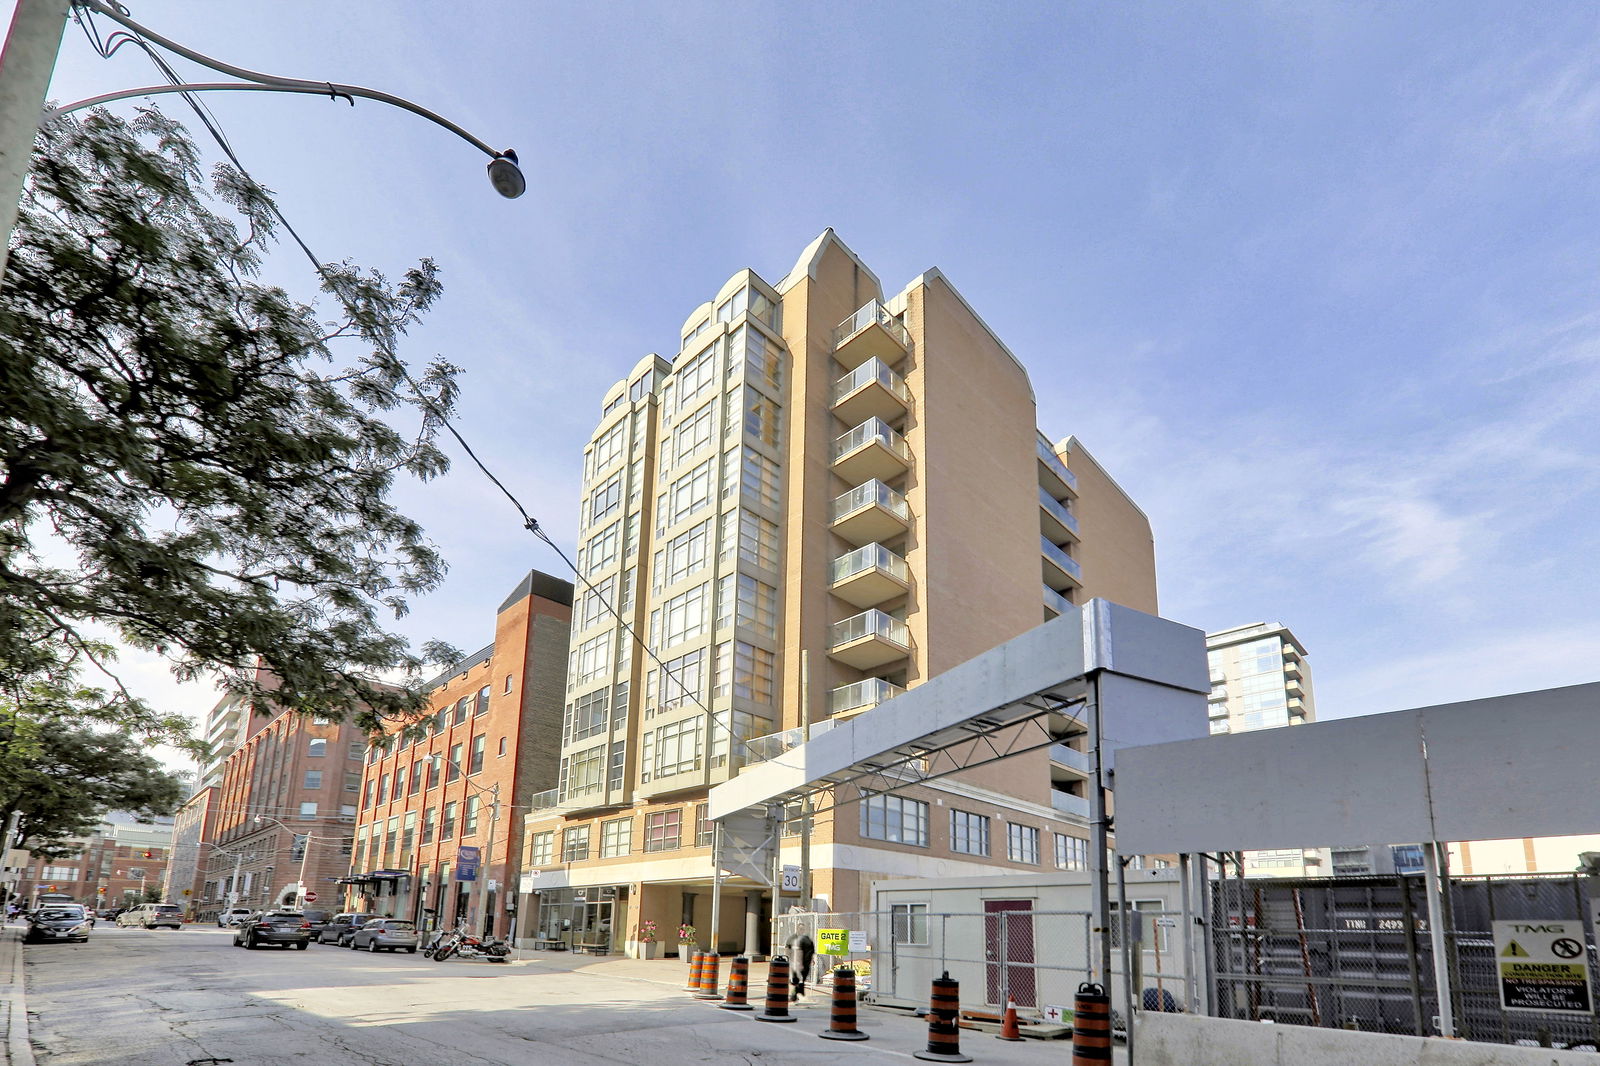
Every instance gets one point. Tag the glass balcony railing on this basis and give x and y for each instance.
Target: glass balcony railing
(775, 744)
(1055, 601)
(873, 623)
(1049, 458)
(870, 557)
(870, 371)
(873, 429)
(873, 313)
(550, 797)
(1067, 803)
(1058, 510)
(868, 494)
(1061, 558)
(868, 693)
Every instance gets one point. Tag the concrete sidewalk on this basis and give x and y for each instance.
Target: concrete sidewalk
(14, 1047)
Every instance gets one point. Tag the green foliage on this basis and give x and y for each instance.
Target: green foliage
(181, 461)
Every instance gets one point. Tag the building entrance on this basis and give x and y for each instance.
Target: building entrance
(584, 919)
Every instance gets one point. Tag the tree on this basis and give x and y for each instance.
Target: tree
(62, 777)
(180, 460)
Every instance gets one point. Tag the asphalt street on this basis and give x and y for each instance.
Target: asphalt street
(172, 998)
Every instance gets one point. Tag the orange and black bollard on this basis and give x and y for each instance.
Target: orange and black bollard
(1091, 1026)
(1009, 1030)
(695, 962)
(710, 976)
(944, 1029)
(777, 1008)
(842, 1024)
(738, 997)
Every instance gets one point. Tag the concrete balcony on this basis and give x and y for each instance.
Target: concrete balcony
(1060, 570)
(1057, 524)
(1054, 601)
(1054, 477)
(870, 451)
(871, 390)
(1292, 687)
(870, 333)
(870, 512)
(869, 640)
(1070, 759)
(1297, 707)
(861, 696)
(870, 575)
(1068, 804)
(1291, 669)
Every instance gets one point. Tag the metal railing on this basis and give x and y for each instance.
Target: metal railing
(870, 557)
(873, 429)
(873, 313)
(1058, 509)
(1060, 558)
(873, 369)
(1055, 601)
(1067, 803)
(539, 801)
(868, 693)
(872, 623)
(868, 494)
(1049, 458)
(773, 745)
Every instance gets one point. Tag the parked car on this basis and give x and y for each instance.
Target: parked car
(318, 920)
(233, 916)
(386, 934)
(108, 912)
(341, 927)
(59, 921)
(152, 916)
(273, 927)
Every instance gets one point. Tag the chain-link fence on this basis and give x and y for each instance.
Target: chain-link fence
(1035, 959)
(1355, 953)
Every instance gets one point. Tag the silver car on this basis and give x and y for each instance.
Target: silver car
(386, 934)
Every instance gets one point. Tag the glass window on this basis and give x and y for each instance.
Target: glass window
(416, 776)
(969, 833)
(1072, 853)
(586, 716)
(316, 747)
(681, 682)
(608, 448)
(683, 617)
(352, 782)
(595, 606)
(482, 704)
(441, 721)
(433, 768)
(694, 433)
(684, 554)
(616, 837)
(696, 375)
(591, 659)
(663, 830)
(744, 671)
(542, 848)
(447, 827)
(704, 827)
(313, 779)
(383, 789)
(754, 539)
(479, 743)
(399, 782)
(502, 753)
(575, 844)
(689, 493)
(453, 767)
(602, 550)
(469, 817)
(605, 500)
(896, 819)
(1022, 843)
(583, 773)
(308, 810)
(429, 824)
(675, 749)
(508, 683)
(461, 710)
(909, 923)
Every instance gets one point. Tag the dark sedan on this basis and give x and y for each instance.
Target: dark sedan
(59, 922)
(274, 927)
(341, 927)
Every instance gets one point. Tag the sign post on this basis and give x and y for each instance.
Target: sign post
(1542, 966)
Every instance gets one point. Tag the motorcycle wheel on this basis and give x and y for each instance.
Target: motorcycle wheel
(444, 953)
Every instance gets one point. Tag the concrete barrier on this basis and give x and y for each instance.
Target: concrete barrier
(1190, 1040)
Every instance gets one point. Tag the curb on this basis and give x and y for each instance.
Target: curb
(19, 1052)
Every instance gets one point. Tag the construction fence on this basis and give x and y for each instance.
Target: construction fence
(1355, 953)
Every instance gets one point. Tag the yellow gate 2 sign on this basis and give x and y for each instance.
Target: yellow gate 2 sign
(1542, 966)
(833, 941)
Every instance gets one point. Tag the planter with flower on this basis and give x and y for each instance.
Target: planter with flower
(647, 946)
(686, 942)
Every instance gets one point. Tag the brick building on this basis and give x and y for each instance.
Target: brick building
(108, 872)
(193, 833)
(491, 740)
(286, 802)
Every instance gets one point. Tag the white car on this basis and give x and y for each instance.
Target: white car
(153, 916)
(233, 916)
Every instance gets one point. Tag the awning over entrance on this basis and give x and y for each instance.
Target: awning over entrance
(375, 877)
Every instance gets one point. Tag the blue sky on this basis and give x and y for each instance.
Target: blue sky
(1317, 283)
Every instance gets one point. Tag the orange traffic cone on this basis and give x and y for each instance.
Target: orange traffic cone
(1008, 1025)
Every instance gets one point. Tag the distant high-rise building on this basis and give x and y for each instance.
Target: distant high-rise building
(826, 496)
(1260, 680)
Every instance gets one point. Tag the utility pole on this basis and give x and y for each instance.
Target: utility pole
(233, 885)
(484, 920)
(805, 801)
(26, 62)
(1099, 835)
(300, 881)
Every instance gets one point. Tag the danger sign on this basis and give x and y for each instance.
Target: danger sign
(1542, 966)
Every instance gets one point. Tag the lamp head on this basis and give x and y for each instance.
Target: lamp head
(506, 176)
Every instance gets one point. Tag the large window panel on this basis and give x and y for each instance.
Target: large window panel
(896, 819)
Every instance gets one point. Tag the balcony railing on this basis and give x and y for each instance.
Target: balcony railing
(1049, 458)
(870, 371)
(873, 429)
(1071, 758)
(872, 314)
(868, 693)
(1061, 558)
(868, 494)
(873, 623)
(870, 557)
(1067, 803)
(550, 797)
(1058, 510)
(1055, 601)
(775, 744)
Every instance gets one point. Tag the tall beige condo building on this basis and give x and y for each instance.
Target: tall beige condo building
(827, 496)
(1260, 679)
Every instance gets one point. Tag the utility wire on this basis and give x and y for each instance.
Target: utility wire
(431, 409)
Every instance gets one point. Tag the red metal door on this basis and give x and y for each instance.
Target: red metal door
(1008, 935)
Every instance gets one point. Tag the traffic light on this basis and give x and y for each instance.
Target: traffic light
(149, 854)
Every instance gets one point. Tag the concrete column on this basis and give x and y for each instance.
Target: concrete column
(752, 924)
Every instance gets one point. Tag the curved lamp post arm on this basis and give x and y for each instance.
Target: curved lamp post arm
(192, 87)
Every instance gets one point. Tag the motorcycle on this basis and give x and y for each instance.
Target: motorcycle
(458, 944)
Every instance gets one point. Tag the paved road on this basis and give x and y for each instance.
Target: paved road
(164, 998)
